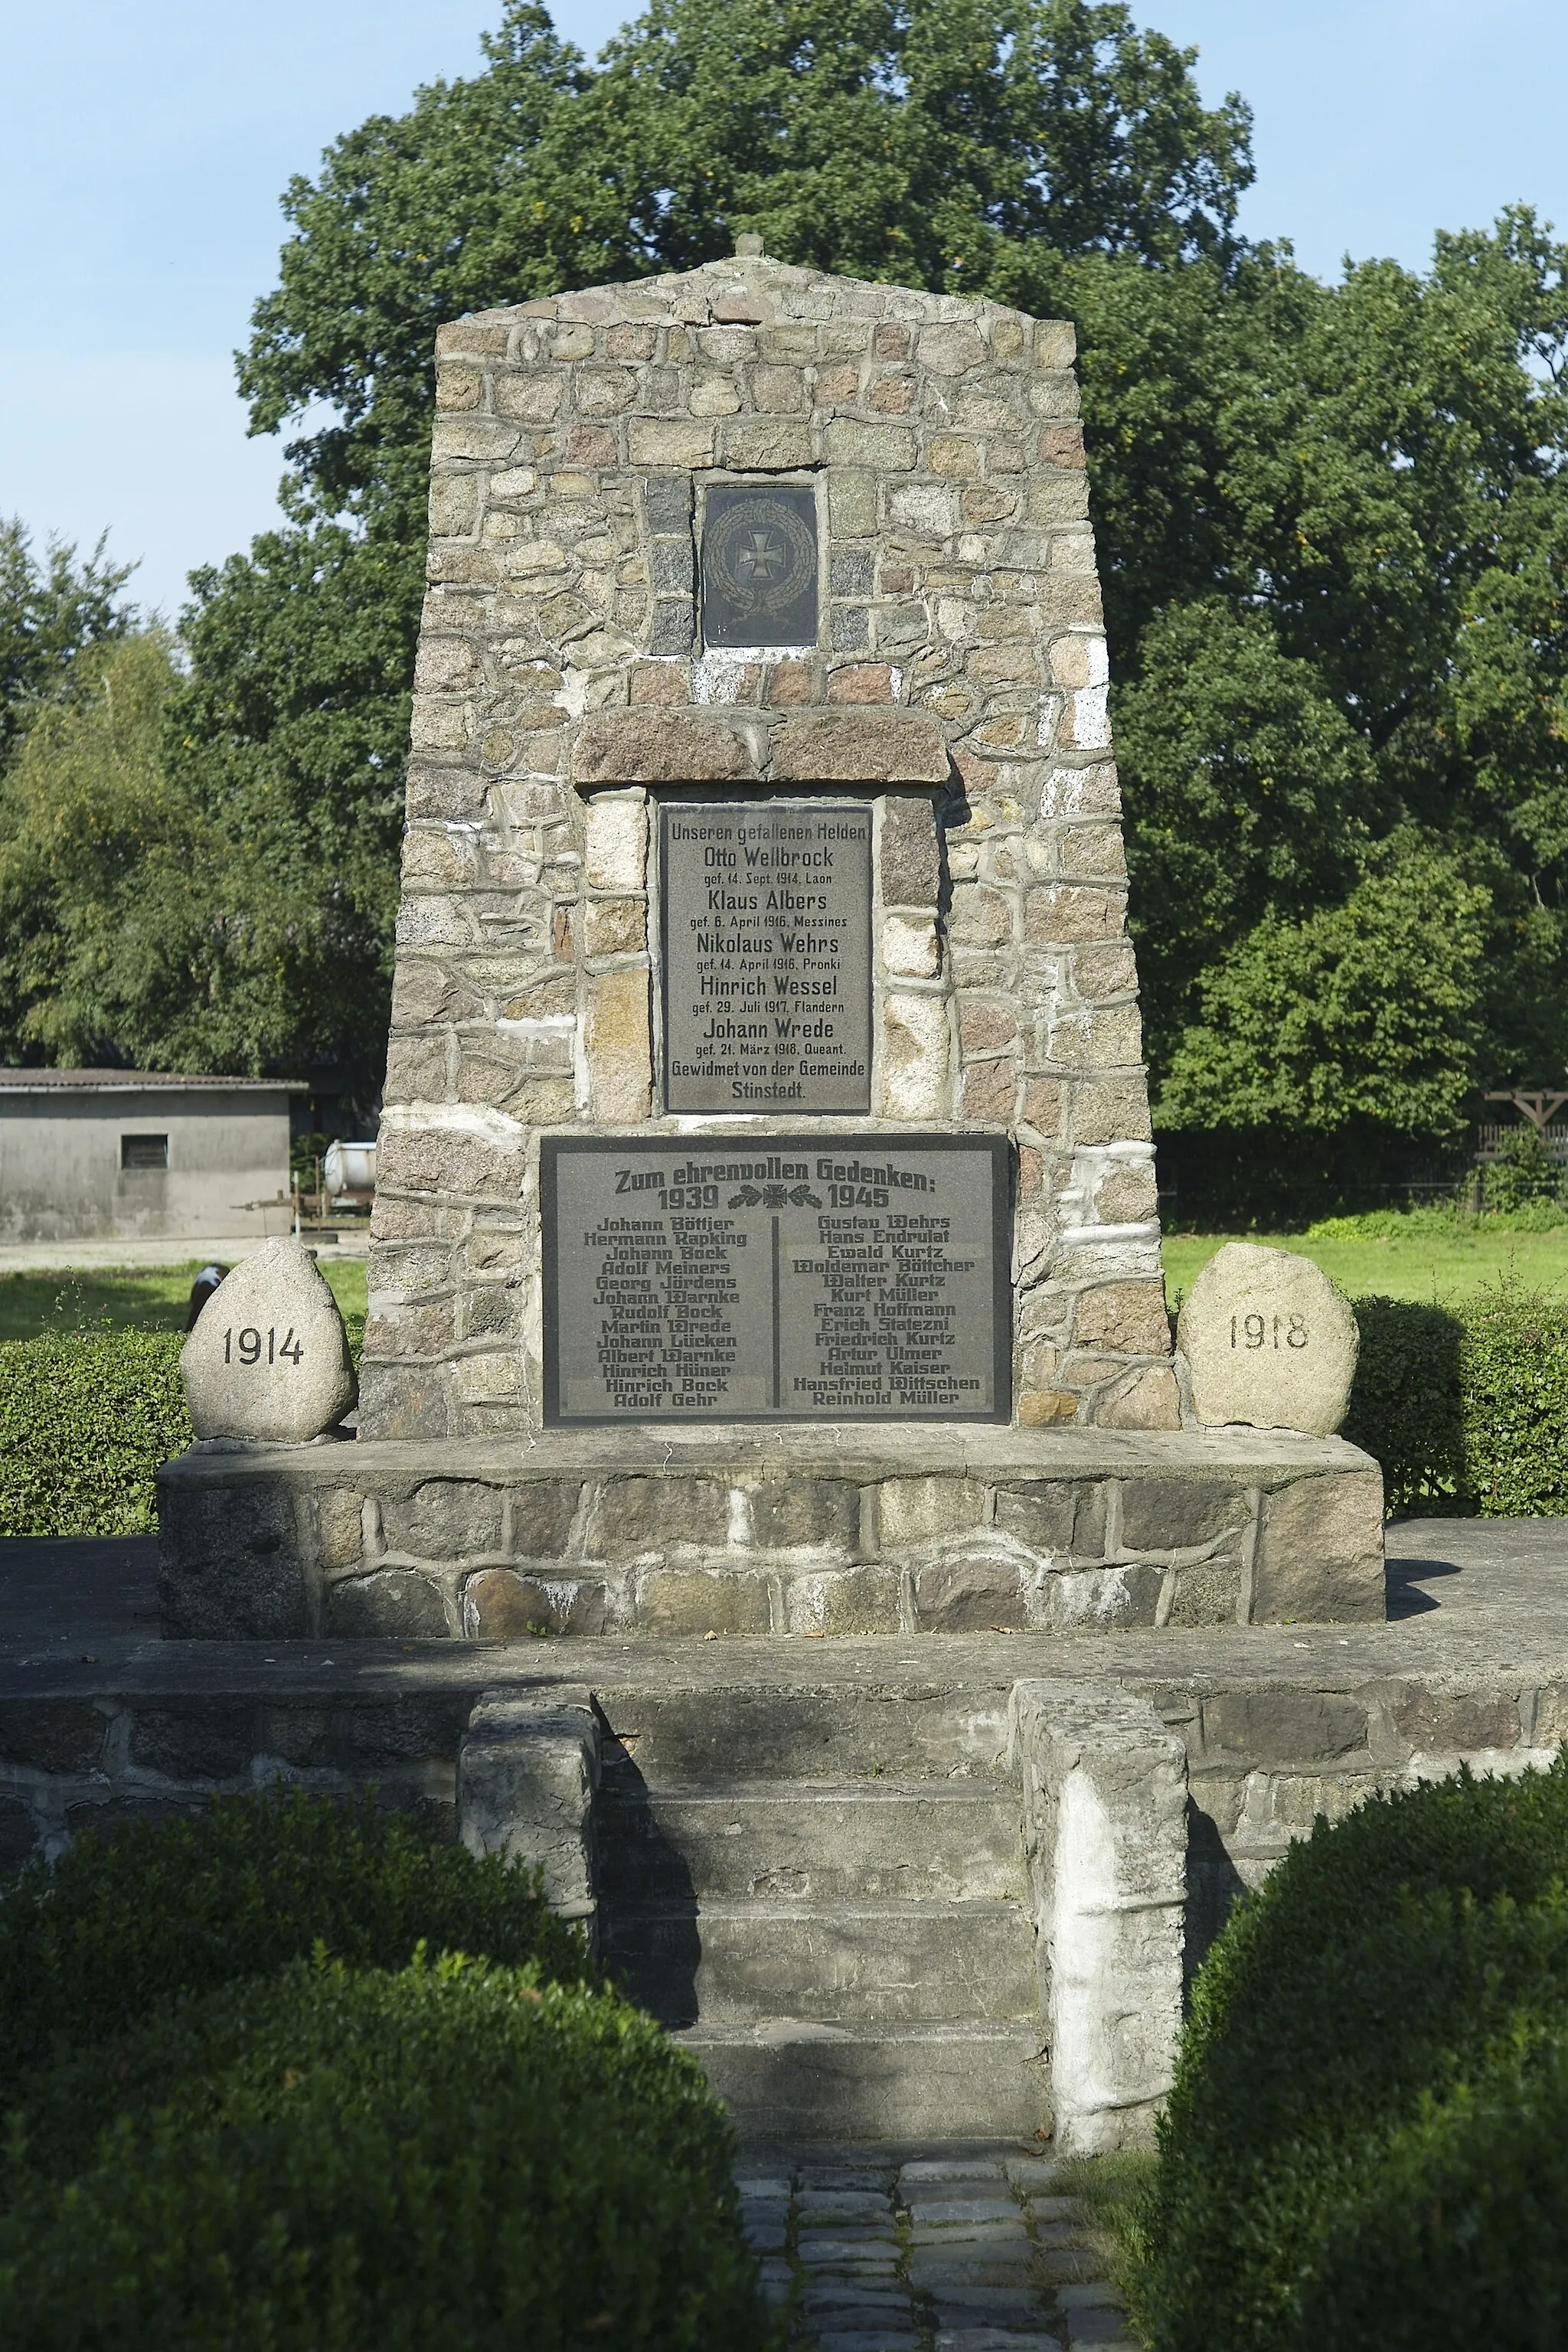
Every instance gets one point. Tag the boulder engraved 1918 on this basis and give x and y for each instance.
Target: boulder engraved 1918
(1268, 1341)
(759, 565)
(766, 930)
(798, 1277)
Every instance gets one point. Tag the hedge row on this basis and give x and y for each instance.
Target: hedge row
(92, 1941)
(1364, 2144)
(86, 1423)
(254, 2093)
(1466, 1408)
(342, 2160)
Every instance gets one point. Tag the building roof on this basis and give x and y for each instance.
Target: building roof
(122, 1082)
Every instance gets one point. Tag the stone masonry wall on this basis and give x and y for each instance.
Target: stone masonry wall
(105, 1762)
(431, 1542)
(959, 681)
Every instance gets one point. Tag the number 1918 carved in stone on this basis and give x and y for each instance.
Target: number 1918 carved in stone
(1268, 1341)
(1252, 1331)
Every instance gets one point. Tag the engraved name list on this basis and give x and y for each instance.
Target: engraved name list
(766, 931)
(798, 1277)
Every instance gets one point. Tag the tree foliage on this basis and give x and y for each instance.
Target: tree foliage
(1366, 1010)
(138, 925)
(1333, 518)
(1336, 519)
(53, 610)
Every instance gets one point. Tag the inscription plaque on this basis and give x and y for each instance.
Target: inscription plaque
(766, 930)
(798, 1277)
(759, 565)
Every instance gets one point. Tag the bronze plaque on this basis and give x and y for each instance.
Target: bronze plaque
(798, 1277)
(765, 923)
(759, 565)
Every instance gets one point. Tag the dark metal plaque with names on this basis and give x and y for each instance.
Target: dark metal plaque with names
(795, 1277)
(765, 912)
(759, 565)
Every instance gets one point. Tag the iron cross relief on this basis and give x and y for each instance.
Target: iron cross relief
(761, 558)
(759, 564)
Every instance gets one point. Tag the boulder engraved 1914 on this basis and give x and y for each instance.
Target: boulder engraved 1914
(759, 564)
(766, 931)
(798, 1277)
(267, 1357)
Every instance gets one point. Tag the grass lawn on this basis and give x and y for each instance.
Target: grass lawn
(155, 1299)
(1446, 1266)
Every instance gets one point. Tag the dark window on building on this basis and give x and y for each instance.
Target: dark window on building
(143, 1152)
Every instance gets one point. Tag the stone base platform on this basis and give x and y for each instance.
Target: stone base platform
(694, 1531)
(835, 1867)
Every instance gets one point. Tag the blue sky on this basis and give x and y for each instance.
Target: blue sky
(147, 141)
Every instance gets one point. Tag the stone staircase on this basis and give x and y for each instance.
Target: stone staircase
(843, 1940)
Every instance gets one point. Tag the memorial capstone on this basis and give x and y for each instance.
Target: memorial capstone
(1269, 1341)
(753, 548)
(733, 1271)
(268, 1357)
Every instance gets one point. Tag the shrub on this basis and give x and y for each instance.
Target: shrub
(1466, 1408)
(1523, 1172)
(1537, 1216)
(89, 1942)
(1401, 1976)
(86, 1422)
(1457, 2238)
(1514, 1378)
(1405, 1402)
(450, 2156)
(1435, 1223)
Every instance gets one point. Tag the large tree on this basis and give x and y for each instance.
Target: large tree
(1333, 518)
(136, 926)
(54, 609)
(1336, 585)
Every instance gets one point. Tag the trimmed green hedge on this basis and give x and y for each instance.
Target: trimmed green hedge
(1466, 1408)
(86, 1422)
(1365, 2142)
(91, 1941)
(1406, 1403)
(332, 2160)
(241, 2105)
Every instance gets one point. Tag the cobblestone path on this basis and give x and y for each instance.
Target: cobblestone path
(949, 2253)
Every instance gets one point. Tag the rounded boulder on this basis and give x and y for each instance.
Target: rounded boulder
(268, 1357)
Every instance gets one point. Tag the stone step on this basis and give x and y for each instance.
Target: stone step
(795, 2079)
(952, 1841)
(843, 1963)
(913, 1718)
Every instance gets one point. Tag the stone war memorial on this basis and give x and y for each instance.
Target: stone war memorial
(766, 1237)
(775, 1477)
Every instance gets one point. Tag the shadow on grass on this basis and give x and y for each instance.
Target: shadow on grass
(33, 1304)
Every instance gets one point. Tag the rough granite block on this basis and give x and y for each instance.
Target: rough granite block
(1105, 1798)
(527, 1771)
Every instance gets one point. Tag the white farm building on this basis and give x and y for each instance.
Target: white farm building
(86, 1154)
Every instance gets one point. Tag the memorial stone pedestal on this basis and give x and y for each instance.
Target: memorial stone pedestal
(765, 1233)
(766, 1241)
